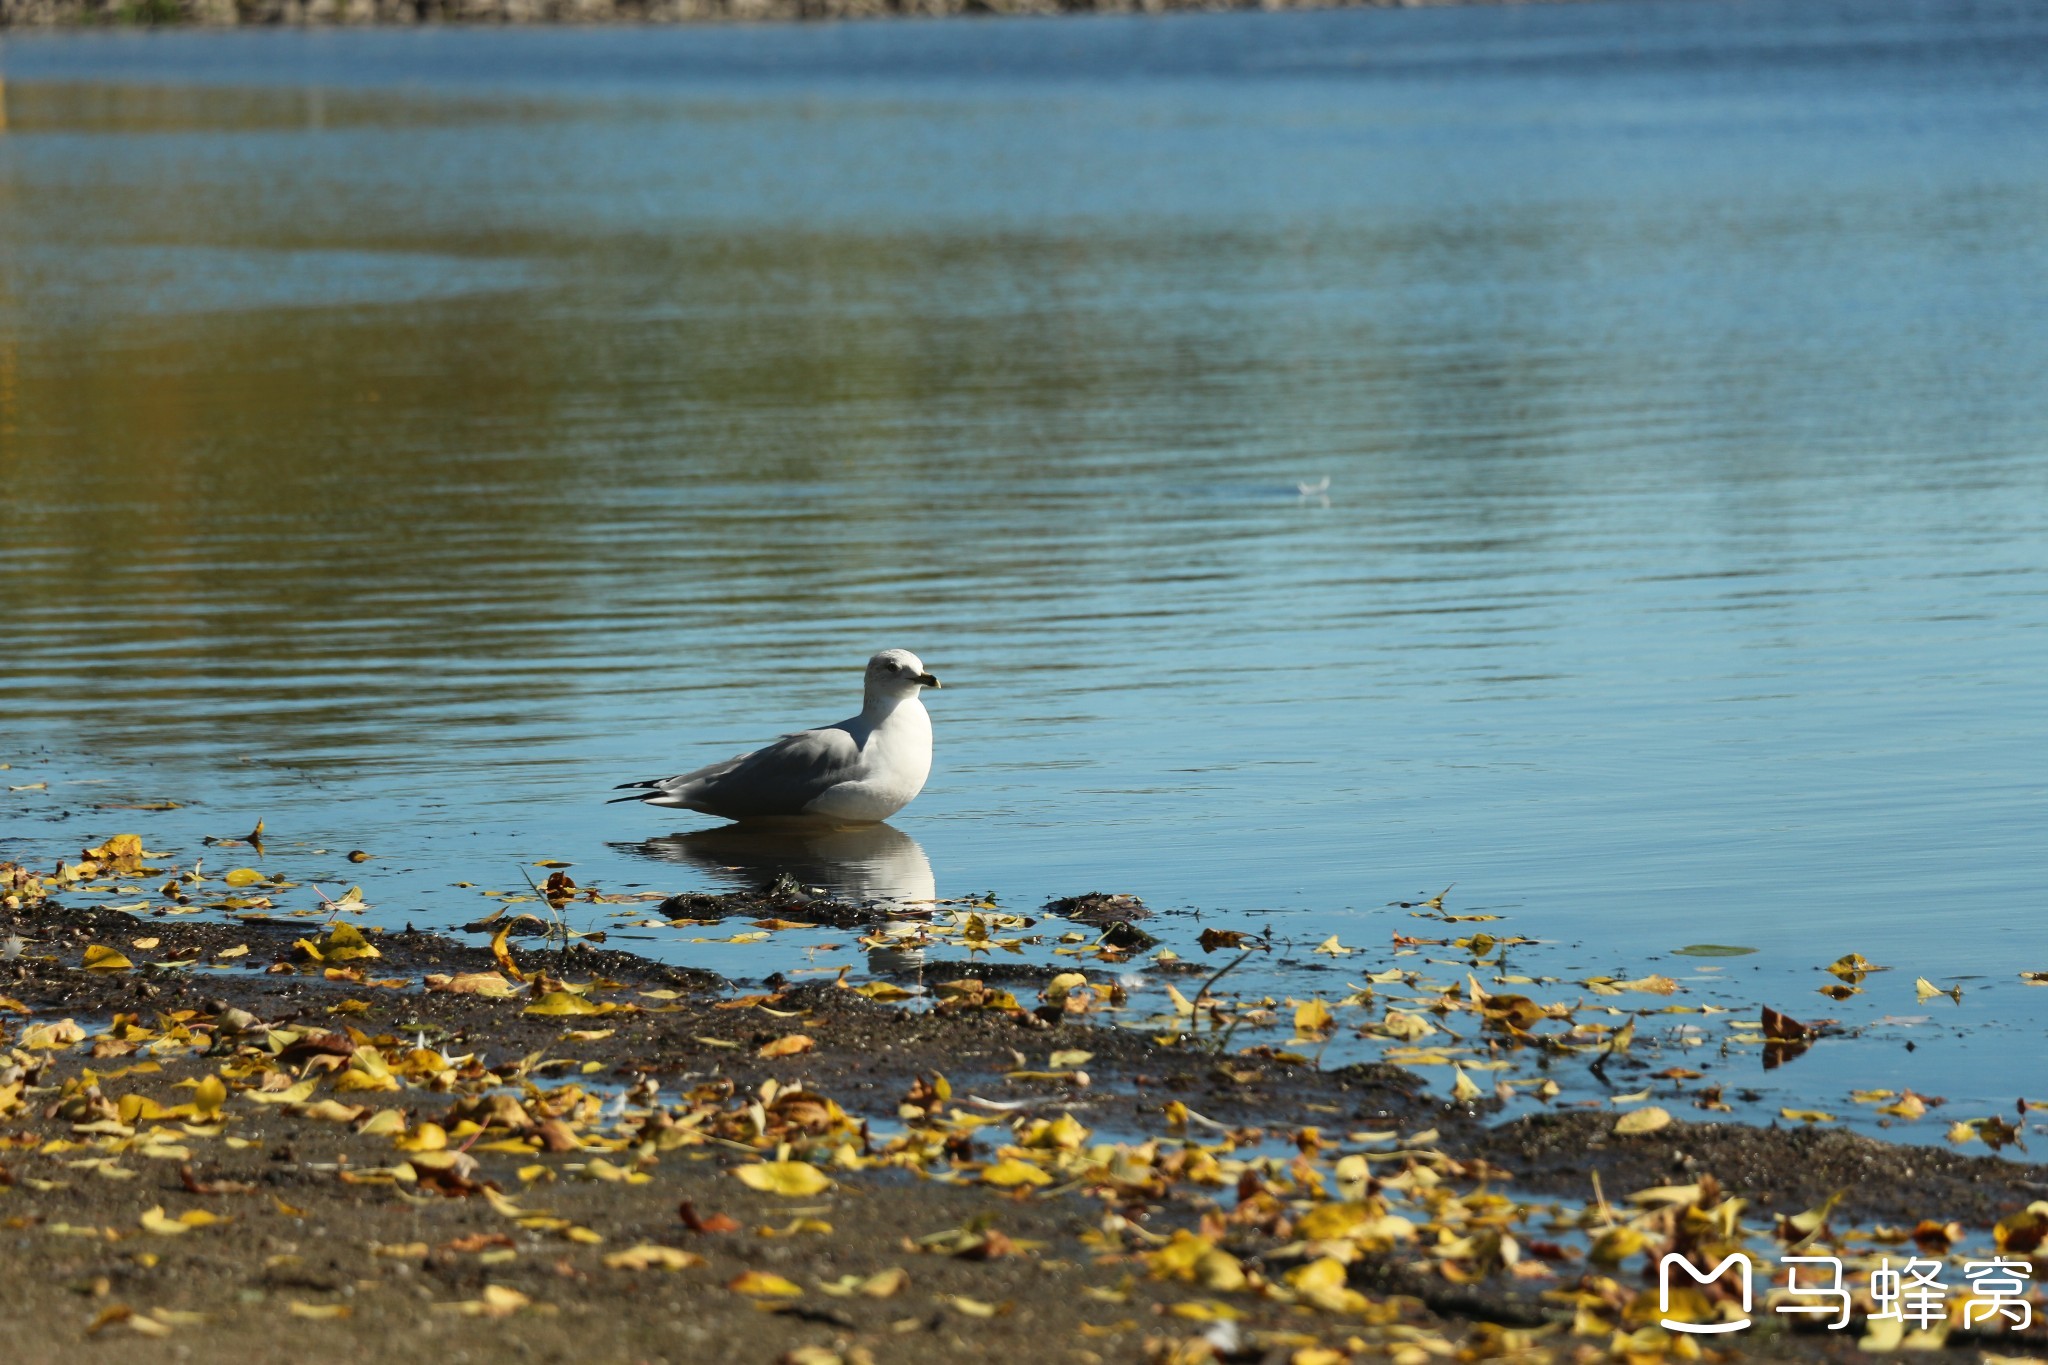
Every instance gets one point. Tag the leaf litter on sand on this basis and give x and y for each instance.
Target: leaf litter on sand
(1273, 1230)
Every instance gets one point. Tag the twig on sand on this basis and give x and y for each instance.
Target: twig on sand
(1221, 972)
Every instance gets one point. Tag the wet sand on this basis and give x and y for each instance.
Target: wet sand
(467, 1177)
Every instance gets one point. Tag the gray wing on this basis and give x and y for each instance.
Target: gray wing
(780, 779)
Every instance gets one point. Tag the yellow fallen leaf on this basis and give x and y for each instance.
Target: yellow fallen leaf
(1404, 1025)
(491, 985)
(384, 1123)
(1207, 1310)
(497, 1301)
(428, 1137)
(597, 1168)
(1806, 1116)
(1331, 947)
(761, 1284)
(797, 1227)
(787, 1046)
(1907, 1106)
(400, 1251)
(502, 951)
(783, 1177)
(1648, 1119)
(648, 1256)
(1313, 1018)
(563, 1002)
(332, 1111)
(100, 958)
(157, 1221)
(318, 1312)
(295, 1094)
(1063, 985)
(1010, 1173)
(883, 1284)
(208, 1096)
(1325, 1273)
(343, 943)
(243, 876)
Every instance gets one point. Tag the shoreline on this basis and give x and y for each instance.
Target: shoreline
(72, 14)
(301, 1136)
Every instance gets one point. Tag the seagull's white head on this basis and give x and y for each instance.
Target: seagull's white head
(897, 673)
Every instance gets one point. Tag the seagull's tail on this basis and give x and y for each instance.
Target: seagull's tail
(642, 791)
(653, 792)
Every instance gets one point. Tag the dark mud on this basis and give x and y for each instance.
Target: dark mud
(316, 1261)
(862, 1048)
(1784, 1170)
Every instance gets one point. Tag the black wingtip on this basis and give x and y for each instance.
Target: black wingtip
(613, 801)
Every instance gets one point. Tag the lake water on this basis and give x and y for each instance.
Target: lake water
(408, 435)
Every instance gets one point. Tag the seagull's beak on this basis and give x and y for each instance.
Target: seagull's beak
(928, 680)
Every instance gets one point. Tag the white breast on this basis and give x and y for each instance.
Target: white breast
(898, 759)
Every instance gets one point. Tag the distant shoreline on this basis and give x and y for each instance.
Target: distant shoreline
(60, 14)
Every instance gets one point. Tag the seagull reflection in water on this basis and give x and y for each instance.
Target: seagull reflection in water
(874, 864)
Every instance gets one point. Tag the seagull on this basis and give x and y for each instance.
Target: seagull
(860, 771)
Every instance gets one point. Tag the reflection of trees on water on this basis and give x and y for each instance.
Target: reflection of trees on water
(346, 521)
